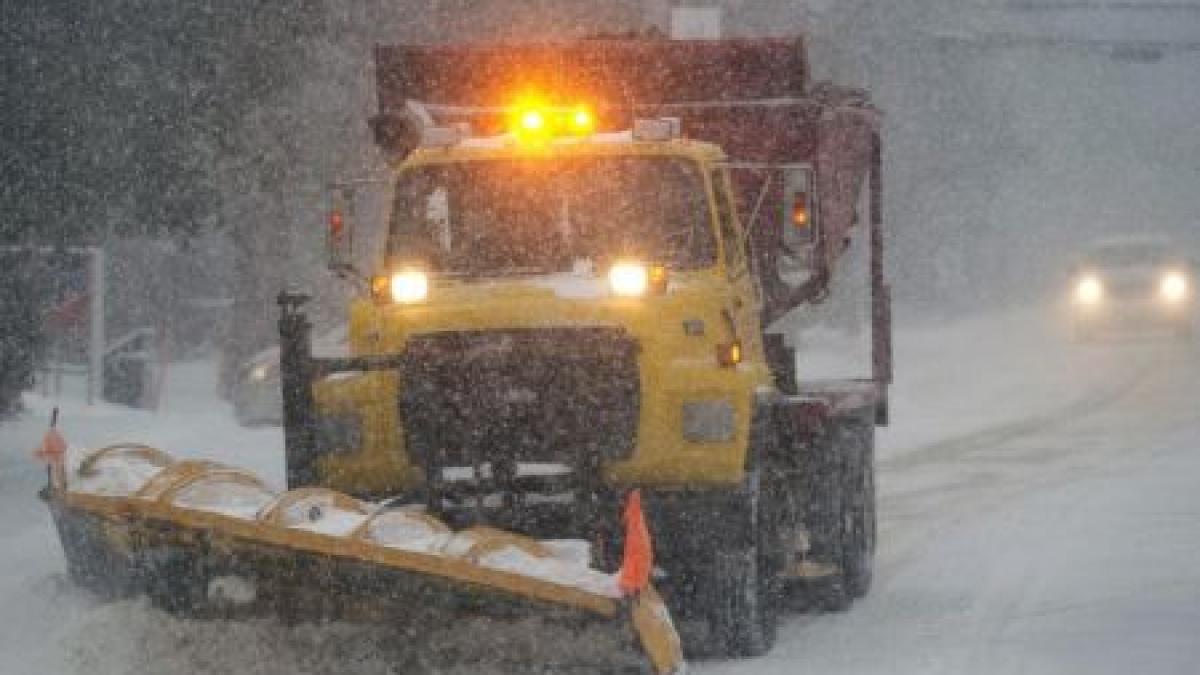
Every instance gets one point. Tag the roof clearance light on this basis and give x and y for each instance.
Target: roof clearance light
(661, 129)
(443, 137)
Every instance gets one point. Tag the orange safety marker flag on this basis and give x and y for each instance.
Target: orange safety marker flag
(53, 452)
(638, 557)
(53, 448)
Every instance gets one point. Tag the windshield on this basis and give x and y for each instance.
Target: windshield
(1129, 254)
(533, 216)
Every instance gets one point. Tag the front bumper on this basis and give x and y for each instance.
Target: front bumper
(1141, 314)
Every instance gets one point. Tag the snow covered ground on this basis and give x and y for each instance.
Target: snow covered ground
(1052, 540)
(1039, 514)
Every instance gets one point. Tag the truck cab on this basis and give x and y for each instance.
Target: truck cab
(574, 303)
(586, 292)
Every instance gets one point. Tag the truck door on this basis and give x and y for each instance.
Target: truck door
(745, 300)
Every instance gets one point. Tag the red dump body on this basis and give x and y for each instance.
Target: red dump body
(750, 97)
(613, 71)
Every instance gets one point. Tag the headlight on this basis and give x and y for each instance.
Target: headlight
(629, 279)
(1089, 291)
(708, 421)
(634, 279)
(409, 286)
(1173, 287)
(260, 372)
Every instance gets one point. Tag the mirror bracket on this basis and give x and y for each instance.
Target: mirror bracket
(340, 230)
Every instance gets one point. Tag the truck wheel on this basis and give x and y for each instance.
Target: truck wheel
(840, 514)
(744, 617)
(860, 567)
(743, 607)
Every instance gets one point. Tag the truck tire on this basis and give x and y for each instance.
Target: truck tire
(744, 618)
(743, 607)
(840, 513)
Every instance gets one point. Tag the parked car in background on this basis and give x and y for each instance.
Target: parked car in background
(257, 390)
(1133, 284)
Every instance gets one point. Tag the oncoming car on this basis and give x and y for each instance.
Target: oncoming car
(257, 395)
(1133, 284)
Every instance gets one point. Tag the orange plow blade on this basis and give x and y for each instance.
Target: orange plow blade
(216, 542)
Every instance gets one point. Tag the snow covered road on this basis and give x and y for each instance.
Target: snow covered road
(1039, 514)
(1062, 542)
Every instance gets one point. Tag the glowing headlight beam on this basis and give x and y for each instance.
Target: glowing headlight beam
(629, 279)
(1089, 291)
(1173, 287)
(409, 286)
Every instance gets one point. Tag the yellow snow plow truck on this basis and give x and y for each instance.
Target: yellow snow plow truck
(587, 246)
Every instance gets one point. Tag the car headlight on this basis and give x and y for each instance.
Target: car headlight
(1173, 287)
(708, 421)
(1089, 291)
(260, 372)
(409, 285)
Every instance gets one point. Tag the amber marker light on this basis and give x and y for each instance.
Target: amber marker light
(380, 287)
(582, 121)
(729, 354)
(533, 121)
(658, 279)
(529, 121)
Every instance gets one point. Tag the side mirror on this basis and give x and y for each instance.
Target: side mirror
(799, 214)
(339, 234)
(799, 233)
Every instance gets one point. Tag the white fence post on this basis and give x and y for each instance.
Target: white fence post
(96, 316)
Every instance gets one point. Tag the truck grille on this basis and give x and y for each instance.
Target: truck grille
(1130, 289)
(561, 395)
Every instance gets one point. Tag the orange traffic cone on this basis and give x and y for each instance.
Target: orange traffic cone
(638, 557)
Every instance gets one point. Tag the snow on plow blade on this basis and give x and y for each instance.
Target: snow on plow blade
(212, 541)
